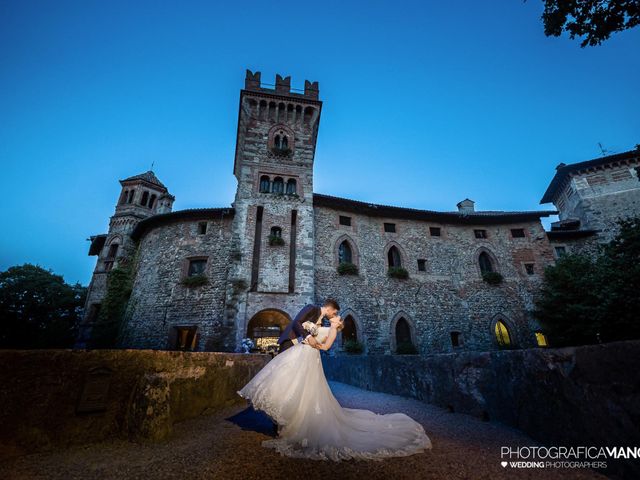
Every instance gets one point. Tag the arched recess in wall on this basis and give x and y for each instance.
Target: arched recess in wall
(485, 261)
(388, 253)
(342, 254)
(402, 329)
(281, 138)
(265, 327)
(352, 330)
(503, 332)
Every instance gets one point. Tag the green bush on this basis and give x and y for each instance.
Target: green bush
(195, 281)
(347, 269)
(585, 300)
(275, 240)
(492, 278)
(353, 346)
(406, 348)
(398, 272)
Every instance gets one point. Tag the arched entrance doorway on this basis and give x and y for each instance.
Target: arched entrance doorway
(265, 327)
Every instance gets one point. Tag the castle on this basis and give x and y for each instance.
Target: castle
(407, 280)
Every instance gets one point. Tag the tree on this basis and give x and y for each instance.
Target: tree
(38, 309)
(586, 300)
(595, 20)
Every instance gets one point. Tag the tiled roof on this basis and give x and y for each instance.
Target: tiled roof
(188, 214)
(563, 171)
(148, 177)
(467, 218)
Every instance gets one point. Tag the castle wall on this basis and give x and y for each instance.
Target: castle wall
(160, 301)
(599, 198)
(449, 296)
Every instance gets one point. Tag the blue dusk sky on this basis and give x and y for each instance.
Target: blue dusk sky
(425, 103)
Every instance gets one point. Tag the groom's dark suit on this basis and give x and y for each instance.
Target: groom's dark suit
(294, 331)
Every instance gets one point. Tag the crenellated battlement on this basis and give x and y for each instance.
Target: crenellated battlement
(282, 86)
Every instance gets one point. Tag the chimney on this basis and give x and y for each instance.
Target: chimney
(466, 206)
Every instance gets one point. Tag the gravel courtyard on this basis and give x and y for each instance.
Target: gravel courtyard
(227, 446)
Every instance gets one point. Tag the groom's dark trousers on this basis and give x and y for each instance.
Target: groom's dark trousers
(294, 332)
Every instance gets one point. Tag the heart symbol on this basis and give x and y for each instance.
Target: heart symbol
(504, 464)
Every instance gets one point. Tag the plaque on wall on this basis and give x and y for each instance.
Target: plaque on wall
(95, 391)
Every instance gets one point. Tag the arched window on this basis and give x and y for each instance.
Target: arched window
(276, 232)
(143, 200)
(285, 143)
(503, 336)
(484, 260)
(393, 257)
(403, 335)
(291, 186)
(265, 184)
(278, 185)
(152, 201)
(345, 254)
(349, 332)
(276, 141)
(131, 194)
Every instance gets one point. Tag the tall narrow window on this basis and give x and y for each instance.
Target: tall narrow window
(349, 332)
(344, 253)
(152, 201)
(403, 335)
(143, 200)
(394, 258)
(502, 334)
(265, 184)
(113, 251)
(278, 185)
(422, 265)
(485, 263)
(186, 338)
(131, 195)
(455, 339)
(291, 186)
(124, 196)
(202, 228)
(541, 339)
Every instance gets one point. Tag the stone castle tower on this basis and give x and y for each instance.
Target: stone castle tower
(272, 233)
(142, 196)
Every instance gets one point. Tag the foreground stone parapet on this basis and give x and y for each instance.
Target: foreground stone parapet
(54, 398)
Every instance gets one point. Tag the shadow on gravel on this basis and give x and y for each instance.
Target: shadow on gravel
(253, 420)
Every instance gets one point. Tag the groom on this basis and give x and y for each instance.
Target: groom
(294, 332)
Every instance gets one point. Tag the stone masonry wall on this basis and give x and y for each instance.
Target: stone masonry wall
(449, 296)
(139, 394)
(159, 300)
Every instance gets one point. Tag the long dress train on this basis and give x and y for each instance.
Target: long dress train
(293, 391)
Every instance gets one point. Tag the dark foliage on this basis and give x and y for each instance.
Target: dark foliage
(406, 348)
(353, 346)
(593, 20)
(346, 268)
(492, 278)
(585, 301)
(195, 281)
(398, 272)
(38, 309)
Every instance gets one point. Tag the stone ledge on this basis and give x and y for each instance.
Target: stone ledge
(136, 394)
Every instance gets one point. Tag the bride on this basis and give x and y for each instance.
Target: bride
(294, 392)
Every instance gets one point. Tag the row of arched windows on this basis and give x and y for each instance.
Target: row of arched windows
(278, 185)
(146, 200)
(404, 336)
(281, 112)
(394, 258)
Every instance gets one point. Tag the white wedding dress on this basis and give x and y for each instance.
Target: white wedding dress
(294, 392)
